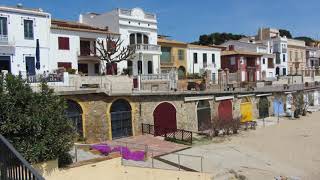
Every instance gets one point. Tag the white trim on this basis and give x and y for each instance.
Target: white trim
(260, 95)
(224, 98)
(290, 92)
(245, 95)
(198, 98)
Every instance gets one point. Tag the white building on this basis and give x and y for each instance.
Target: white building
(20, 28)
(73, 46)
(202, 58)
(138, 29)
(279, 47)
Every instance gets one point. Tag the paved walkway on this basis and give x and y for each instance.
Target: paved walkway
(155, 145)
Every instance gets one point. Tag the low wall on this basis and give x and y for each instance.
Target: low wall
(112, 169)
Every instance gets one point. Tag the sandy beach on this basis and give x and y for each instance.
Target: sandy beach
(290, 148)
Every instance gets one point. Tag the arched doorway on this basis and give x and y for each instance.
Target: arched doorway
(225, 110)
(74, 113)
(278, 107)
(263, 107)
(246, 110)
(181, 72)
(164, 119)
(121, 123)
(204, 116)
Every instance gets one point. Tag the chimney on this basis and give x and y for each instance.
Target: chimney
(231, 47)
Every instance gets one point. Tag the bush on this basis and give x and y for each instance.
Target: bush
(35, 123)
(64, 160)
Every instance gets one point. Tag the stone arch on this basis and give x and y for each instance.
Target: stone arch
(204, 115)
(74, 112)
(181, 72)
(165, 119)
(121, 119)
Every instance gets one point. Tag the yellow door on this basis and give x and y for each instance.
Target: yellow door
(246, 112)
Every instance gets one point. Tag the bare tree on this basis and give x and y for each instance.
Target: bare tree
(113, 52)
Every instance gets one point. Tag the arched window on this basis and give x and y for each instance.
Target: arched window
(132, 38)
(150, 67)
(145, 39)
(139, 38)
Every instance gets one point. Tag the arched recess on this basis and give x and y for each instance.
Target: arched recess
(74, 113)
(121, 120)
(263, 107)
(181, 72)
(225, 110)
(165, 120)
(246, 110)
(278, 107)
(204, 116)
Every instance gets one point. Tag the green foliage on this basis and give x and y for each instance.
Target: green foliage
(218, 38)
(308, 40)
(286, 33)
(35, 123)
(64, 160)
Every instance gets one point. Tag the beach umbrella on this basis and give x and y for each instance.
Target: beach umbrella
(38, 55)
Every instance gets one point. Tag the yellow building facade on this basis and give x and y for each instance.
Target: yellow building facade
(174, 56)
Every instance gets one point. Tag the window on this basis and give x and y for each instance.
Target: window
(96, 68)
(181, 54)
(139, 38)
(65, 65)
(28, 29)
(263, 61)
(195, 58)
(139, 67)
(165, 57)
(284, 58)
(63, 43)
(296, 56)
(270, 63)
(129, 65)
(145, 39)
(284, 71)
(83, 68)
(213, 59)
(205, 62)
(132, 39)
(3, 26)
(150, 67)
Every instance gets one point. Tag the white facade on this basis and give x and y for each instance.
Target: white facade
(17, 51)
(280, 49)
(198, 65)
(137, 29)
(74, 54)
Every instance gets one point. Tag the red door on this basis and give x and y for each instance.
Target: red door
(164, 119)
(225, 110)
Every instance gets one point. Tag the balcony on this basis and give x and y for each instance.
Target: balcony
(146, 48)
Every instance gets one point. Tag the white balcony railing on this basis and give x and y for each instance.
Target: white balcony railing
(146, 47)
(128, 12)
(155, 77)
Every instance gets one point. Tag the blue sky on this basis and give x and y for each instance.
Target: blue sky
(187, 19)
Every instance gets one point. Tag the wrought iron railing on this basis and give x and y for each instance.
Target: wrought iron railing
(174, 134)
(13, 166)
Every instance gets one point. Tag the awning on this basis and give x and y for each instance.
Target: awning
(7, 49)
(198, 98)
(245, 95)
